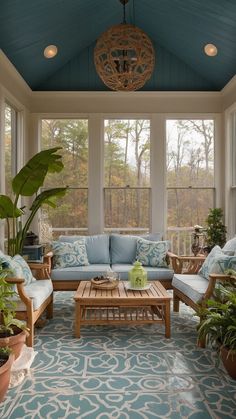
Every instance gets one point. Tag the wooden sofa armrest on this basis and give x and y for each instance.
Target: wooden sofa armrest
(186, 264)
(42, 270)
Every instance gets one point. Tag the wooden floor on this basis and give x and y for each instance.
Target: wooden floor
(121, 306)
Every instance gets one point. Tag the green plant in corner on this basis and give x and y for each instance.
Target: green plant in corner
(218, 325)
(27, 184)
(8, 305)
(216, 230)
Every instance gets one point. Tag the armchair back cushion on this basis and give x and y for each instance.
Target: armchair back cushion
(97, 247)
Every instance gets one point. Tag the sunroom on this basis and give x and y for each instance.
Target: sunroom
(136, 162)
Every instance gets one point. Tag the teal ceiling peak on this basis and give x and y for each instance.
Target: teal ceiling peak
(179, 30)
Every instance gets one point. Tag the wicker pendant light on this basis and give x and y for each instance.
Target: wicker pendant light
(124, 56)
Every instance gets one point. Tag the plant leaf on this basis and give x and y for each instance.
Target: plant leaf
(8, 209)
(46, 197)
(32, 175)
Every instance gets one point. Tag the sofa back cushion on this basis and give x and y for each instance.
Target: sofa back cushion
(123, 247)
(152, 253)
(68, 254)
(97, 247)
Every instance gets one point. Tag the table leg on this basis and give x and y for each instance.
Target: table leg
(77, 319)
(167, 319)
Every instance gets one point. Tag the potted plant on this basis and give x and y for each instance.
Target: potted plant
(13, 332)
(26, 184)
(6, 361)
(218, 326)
(216, 230)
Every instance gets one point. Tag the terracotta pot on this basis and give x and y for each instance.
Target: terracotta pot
(5, 373)
(229, 361)
(15, 342)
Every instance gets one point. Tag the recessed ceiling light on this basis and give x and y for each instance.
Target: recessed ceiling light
(210, 50)
(50, 51)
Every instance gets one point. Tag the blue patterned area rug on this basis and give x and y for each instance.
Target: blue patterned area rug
(120, 373)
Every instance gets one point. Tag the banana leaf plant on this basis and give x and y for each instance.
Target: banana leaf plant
(27, 183)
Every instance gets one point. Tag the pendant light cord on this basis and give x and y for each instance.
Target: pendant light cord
(124, 16)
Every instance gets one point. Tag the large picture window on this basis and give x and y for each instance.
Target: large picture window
(10, 137)
(190, 178)
(71, 214)
(127, 175)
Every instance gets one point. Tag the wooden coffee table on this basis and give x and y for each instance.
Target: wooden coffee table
(121, 306)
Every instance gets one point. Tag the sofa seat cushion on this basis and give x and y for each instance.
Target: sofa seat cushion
(193, 286)
(160, 274)
(97, 247)
(38, 291)
(76, 273)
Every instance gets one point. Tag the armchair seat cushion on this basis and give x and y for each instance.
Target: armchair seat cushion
(76, 273)
(159, 274)
(38, 291)
(192, 285)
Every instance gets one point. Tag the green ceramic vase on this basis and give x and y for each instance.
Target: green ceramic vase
(138, 276)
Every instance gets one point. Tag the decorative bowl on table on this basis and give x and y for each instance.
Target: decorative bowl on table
(103, 283)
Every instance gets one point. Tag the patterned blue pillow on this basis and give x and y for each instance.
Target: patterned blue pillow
(151, 253)
(66, 255)
(27, 274)
(226, 262)
(11, 264)
(217, 262)
(18, 266)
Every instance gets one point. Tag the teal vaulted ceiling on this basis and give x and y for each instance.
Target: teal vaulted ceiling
(179, 29)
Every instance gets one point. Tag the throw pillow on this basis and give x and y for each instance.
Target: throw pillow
(151, 253)
(66, 255)
(230, 245)
(217, 262)
(27, 274)
(11, 264)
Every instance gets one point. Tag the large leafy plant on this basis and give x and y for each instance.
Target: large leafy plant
(218, 325)
(8, 305)
(27, 184)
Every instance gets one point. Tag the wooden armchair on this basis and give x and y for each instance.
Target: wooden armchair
(34, 299)
(188, 286)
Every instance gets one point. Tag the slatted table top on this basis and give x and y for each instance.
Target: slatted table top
(85, 294)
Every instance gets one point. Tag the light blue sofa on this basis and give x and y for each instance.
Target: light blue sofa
(106, 252)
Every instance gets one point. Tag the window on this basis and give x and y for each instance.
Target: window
(71, 214)
(232, 208)
(190, 178)
(10, 146)
(127, 175)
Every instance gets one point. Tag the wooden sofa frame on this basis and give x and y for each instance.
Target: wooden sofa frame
(68, 285)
